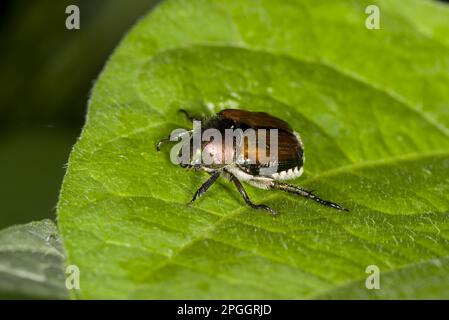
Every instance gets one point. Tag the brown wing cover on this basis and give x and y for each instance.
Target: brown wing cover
(255, 120)
(289, 148)
(290, 151)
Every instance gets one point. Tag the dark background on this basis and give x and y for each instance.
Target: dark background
(46, 74)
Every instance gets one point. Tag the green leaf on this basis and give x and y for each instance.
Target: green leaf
(371, 106)
(31, 262)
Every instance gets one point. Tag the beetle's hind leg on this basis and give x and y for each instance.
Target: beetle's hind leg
(304, 193)
(248, 201)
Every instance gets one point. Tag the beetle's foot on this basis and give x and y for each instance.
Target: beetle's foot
(264, 207)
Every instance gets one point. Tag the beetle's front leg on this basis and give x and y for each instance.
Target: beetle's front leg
(206, 185)
(171, 138)
(162, 142)
(304, 193)
(189, 115)
(245, 196)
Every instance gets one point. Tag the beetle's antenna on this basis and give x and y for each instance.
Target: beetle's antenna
(188, 115)
(206, 185)
(304, 193)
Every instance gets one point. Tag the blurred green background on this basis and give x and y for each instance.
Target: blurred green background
(46, 74)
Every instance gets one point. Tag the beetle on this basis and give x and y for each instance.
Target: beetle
(268, 174)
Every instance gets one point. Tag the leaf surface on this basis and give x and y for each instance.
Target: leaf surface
(372, 110)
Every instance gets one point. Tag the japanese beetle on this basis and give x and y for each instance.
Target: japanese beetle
(241, 160)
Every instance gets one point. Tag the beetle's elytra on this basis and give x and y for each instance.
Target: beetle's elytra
(276, 154)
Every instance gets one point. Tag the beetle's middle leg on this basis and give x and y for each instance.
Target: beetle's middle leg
(248, 201)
